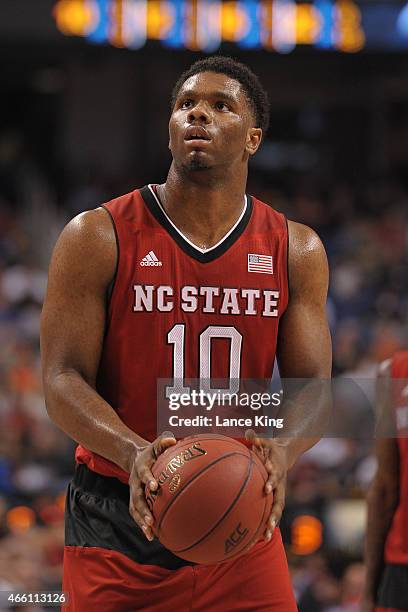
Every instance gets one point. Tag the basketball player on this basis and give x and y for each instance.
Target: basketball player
(386, 588)
(133, 286)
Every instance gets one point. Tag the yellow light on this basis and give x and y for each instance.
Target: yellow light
(307, 535)
(350, 36)
(60, 501)
(159, 19)
(266, 20)
(308, 24)
(116, 29)
(20, 518)
(191, 26)
(233, 21)
(76, 17)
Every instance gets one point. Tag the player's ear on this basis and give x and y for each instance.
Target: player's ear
(254, 137)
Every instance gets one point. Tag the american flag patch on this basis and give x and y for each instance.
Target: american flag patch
(260, 263)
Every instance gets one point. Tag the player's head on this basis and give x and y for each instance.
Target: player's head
(226, 102)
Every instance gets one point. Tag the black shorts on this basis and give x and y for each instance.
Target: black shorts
(97, 515)
(393, 591)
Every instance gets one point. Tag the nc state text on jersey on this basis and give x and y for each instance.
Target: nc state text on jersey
(208, 300)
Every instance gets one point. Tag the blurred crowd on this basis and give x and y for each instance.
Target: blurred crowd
(364, 230)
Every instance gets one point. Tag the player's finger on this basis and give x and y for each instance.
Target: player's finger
(251, 436)
(147, 477)
(139, 520)
(259, 452)
(257, 444)
(273, 477)
(277, 508)
(143, 524)
(135, 515)
(140, 505)
(148, 533)
(164, 441)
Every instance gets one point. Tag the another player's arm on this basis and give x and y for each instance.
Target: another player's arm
(73, 320)
(304, 352)
(382, 498)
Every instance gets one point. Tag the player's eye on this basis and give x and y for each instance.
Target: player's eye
(222, 106)
(186, 103)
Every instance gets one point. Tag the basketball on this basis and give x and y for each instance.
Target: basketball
(210, 505)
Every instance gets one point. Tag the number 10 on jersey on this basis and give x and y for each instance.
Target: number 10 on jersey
(177, 337)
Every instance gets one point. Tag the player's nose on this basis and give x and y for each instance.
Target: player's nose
(199, 112)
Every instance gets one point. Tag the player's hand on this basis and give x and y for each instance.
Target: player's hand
(273, 456)
(141, 475)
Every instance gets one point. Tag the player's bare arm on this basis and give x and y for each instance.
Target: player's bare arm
(304, 351)
(81, 274)
(382, 498)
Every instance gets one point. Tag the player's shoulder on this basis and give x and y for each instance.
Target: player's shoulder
(303, 239)
(307, 262)
(306, 252)
(97, 224)
(90, 226)
(87, 244)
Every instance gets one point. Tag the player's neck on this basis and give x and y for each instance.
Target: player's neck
(203, 210)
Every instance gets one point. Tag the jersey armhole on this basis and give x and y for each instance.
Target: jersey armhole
(109, 291)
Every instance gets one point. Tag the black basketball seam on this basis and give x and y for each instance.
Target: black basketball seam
(239, 551)
(188, 483)
(225, 513)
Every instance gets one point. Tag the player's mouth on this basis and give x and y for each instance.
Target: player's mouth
(196, 136)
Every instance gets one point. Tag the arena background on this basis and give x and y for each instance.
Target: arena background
(84, 108)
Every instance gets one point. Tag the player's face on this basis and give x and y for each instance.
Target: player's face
(212, 123)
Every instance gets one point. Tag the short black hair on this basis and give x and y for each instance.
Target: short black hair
(254, 92)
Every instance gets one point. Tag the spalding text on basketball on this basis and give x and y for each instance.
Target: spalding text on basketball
(192, 452)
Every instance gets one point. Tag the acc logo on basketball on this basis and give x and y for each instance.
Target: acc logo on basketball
(174, 483)
(235, 538)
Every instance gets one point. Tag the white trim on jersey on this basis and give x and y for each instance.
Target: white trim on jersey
(189, 241)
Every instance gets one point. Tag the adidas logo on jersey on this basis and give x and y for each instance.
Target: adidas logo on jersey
(150, 260)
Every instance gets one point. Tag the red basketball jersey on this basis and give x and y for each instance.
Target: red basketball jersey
(396, 548)
(179, 311)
